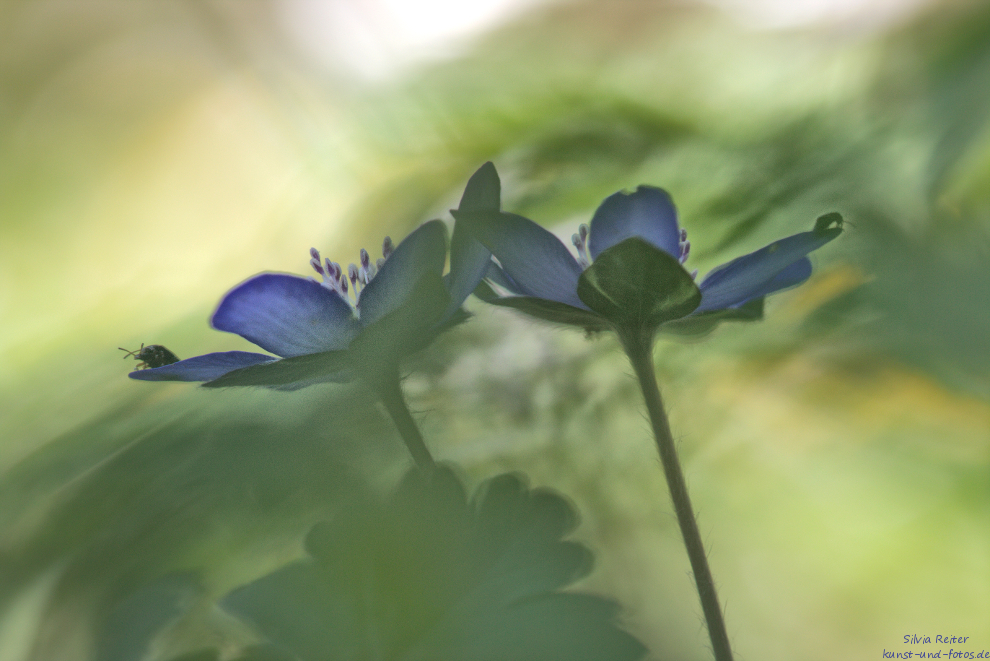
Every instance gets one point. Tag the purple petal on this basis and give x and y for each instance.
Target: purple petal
(202, 368)
(757, 273)
(648, 213)
(287, 315)
(533, 258)
(423, 251)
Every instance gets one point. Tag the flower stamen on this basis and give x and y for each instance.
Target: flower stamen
(684, 245)
(352, 273)
(330, 272)
(315, 261)
(580, 241)
(334, 277)
(367, 270)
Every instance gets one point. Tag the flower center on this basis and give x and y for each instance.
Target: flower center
(334, 278)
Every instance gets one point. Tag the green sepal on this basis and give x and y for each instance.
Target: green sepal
(560, 313)
(634, 284)
(485, 292)
(288, 371)
(408, 328)
(706, 322)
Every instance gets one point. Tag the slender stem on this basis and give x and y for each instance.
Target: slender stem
(390, 393)
(639, 348)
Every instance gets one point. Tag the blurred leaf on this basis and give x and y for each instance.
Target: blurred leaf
(266, 653)
(252, 653)
(198, 655)
(957, 91)
(429, 574)
(133, 623)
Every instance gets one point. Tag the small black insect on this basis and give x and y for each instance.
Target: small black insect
(153, 355)
(825, 222)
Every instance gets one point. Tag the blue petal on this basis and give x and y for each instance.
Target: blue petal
(533, 258)
(422, 252)
(202, 368)
(791, 276)
(648, 213)
(469, 259)
(287, 315)
(751, 275)
(483, 190)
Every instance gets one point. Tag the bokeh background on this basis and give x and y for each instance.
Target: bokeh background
(154, 154)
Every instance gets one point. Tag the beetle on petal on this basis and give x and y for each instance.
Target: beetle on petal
(153, 355)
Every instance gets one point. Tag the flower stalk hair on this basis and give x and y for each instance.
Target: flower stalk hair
(629, 277)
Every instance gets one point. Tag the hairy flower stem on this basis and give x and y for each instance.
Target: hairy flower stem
(390, 393)
(639, 348)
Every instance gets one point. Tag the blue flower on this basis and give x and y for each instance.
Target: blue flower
(346, 324)
(629, 234)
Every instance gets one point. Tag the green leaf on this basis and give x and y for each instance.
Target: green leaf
(432, 574)
(634, 284)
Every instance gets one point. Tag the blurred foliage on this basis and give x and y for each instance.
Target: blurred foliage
(156, 153)
(432, 574)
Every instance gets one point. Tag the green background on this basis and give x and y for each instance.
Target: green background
(154, 154)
